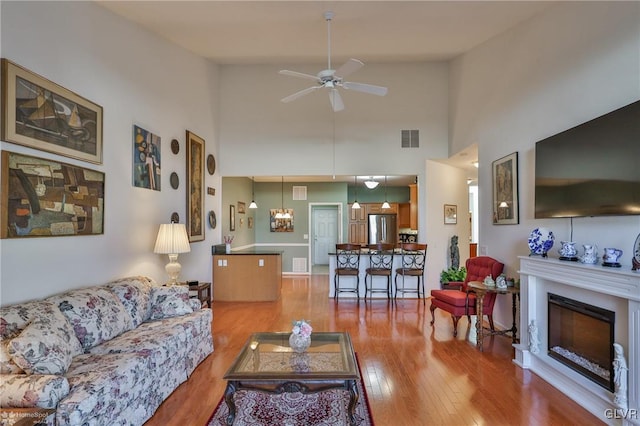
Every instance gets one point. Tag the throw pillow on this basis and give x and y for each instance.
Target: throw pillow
(41, 349)
(133, 293)
(96, 315)
(170, 301)
(7, 366)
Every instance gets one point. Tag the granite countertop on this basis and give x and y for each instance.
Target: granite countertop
(258, 251)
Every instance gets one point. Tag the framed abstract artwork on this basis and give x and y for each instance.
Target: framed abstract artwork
(195, 189)
(505, 190)
(146, 159)
(47, 198)
(41, 114)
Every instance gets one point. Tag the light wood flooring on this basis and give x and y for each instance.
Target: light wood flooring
(414, 374)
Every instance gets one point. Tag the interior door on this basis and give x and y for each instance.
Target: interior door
(325, 233)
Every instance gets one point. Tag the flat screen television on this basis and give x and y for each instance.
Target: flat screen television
(592, 169)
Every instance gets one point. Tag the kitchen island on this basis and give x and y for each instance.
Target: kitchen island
(247, 276)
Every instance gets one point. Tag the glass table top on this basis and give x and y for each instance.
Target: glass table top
(268, 356)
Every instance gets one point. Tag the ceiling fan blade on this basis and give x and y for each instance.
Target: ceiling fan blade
(336, 100)
(300, 93)
(366, 88)
(298, 74)
(351, 66)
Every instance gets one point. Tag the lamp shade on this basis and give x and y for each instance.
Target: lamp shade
(172, 239)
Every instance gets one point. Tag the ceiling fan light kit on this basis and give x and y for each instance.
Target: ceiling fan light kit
(371, 184)
(331, 79)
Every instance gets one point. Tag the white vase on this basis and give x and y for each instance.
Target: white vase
(299, 343)
(228, 248)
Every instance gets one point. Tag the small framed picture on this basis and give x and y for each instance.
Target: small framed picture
(450, 214)
(241, 208)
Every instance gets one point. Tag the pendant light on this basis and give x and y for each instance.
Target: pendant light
(355, 204)
(282, 214)
(371, 184)
(385, 205)
(253, 204)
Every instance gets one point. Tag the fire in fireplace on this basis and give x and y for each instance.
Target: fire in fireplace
(581, 336)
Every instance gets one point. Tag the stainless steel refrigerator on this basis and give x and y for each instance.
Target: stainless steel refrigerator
(382, 228)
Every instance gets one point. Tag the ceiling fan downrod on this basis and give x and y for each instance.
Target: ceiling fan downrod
(328, 16)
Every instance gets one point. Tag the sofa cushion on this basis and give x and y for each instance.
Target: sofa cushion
(134, 293)
(170, 301)
(7, 366)
(96, 314)
(15, 318)
(42, 348)
(102, 386)
(160, 341)
(22, 391)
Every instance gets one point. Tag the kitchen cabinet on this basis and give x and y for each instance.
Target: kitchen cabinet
(404, 215)
(376, 208)
(247, 276)
(358, 225)
(413, 206)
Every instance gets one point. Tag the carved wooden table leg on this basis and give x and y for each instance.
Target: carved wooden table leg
(353, 400)
(228, 397)
(479, 316)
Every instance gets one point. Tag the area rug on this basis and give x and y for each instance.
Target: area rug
(327, 408)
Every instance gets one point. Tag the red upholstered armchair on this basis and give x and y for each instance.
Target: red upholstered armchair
(459, 302)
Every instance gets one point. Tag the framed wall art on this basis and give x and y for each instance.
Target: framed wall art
(505, 190)
(146, 159)
(41, 114)
(450, 214)
(277, 224)
(195, 189)
(47, 198)
(232, 217)
(242, 208)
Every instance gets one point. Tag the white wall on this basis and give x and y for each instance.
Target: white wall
(297, 138)
(574, 62)
(137, 78)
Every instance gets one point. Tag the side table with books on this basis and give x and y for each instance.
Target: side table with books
(200, 291)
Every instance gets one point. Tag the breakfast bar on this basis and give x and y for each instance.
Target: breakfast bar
(247, 276)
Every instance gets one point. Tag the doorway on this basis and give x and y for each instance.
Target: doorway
(325, 228)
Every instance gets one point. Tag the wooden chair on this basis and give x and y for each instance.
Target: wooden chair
(413, 259)
(347, 264)
(462, 302)
(380, 265)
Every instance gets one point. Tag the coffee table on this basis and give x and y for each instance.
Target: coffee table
(267, 363)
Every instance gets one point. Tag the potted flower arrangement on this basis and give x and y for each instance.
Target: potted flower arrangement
(300, 338)
(452, 275)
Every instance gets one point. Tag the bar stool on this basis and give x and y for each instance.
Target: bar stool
(413, 258)
(380, 265)
(347, 264)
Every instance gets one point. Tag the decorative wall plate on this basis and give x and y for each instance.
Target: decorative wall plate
(211, 164)
(212, 220)
(541, 241)
(175, 146)
(174, 180)
(635, 260)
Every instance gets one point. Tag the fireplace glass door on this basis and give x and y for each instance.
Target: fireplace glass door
(581, 337)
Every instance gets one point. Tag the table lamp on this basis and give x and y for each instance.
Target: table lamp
(172, 240)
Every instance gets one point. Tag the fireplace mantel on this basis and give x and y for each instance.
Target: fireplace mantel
(616, 289)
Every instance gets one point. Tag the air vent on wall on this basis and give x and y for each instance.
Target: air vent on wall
(299, 264)
(300, 193)
(410, 139)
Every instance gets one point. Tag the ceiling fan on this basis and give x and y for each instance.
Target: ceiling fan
(333, 79)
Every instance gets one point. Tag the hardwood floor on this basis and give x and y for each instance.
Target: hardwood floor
(414, 374)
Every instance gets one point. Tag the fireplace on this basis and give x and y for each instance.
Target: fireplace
(587, 295)
(580, 336)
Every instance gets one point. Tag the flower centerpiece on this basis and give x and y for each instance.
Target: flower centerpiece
(228, 239)
(300, 338)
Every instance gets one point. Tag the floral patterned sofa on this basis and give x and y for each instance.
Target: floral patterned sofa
(105, 355)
